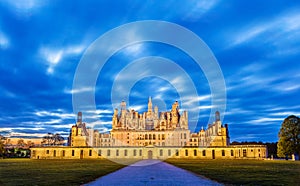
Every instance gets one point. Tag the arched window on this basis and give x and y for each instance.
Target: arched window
(195, 152)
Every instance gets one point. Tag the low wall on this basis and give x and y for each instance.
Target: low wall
(151, 152)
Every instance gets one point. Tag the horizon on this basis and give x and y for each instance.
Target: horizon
(256, 46)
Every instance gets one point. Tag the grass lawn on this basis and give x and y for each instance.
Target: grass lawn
(244, 172)
(53, 172)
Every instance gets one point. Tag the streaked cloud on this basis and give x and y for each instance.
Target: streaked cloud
(55, 55)
(273, 31)
(198, 8)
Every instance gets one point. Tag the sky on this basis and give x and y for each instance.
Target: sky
(255, 44)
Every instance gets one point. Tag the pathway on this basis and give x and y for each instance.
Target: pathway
(152, 172)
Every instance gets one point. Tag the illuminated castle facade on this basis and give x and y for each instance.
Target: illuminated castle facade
(150, 135)
(130, 128)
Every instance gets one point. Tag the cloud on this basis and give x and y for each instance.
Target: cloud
(133, 50)
(25, 4)
(196, 9)
(54, 55)
(281, 29)
(55, 114)
(264, 120)
(80, 90)
(4, 41)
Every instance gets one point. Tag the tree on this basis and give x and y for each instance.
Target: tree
(52, 139)
(21, 143)
(2, 149)
(289, 137)
(58, 139)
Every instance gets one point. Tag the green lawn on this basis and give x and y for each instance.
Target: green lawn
(244, 172)
(53, 172)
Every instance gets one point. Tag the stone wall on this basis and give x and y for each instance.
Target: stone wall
(151, 152)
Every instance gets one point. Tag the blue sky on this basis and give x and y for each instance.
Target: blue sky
(256, 43)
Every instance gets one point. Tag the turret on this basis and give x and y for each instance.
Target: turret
(123, 105)
(217, 116)
(79, 118)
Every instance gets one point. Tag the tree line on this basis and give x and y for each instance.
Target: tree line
(21, 149)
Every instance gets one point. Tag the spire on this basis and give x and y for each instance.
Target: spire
(150, 104)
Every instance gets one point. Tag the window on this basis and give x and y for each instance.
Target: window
(184, 135)
(90, 153)
(117, 152)
(108, 152)
(223, 152)
(195, 152)
(203, 153)
(134, 152)
(141, 152)
(47, 152)
(63, 153)
(244, 153)
(231, 152)
(251, 150)
(177, 153)
(163, 137)
(33, 153)
(99, 152)
(125, 152)
(258, 150)
(154, 136)
(54, 153)
(169, 152)
(186, 152)
(161, 152)
(73, 152)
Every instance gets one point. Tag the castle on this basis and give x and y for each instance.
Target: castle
(130, 128)
(151, 134)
